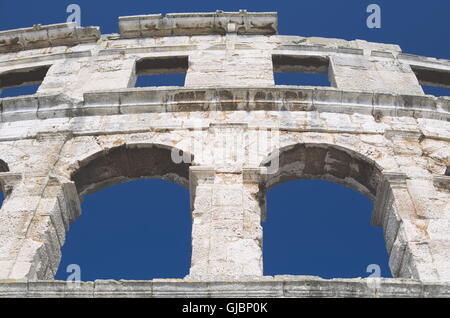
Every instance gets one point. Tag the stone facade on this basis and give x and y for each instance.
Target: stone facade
(228, 135)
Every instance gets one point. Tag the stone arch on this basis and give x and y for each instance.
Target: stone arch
(119, 164)
(360, 173)
(82, 175)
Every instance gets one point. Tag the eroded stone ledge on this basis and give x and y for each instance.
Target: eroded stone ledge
(40, 36)
(266, 287)
(219, 22)
(181, 99)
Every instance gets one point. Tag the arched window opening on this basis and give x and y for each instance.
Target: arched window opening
(136, 221)
(134, 230)
(320, 228)
(319, 211)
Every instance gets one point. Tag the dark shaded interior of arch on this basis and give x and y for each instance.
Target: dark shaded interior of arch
(3, 166)
(322, 161)
(131, 163)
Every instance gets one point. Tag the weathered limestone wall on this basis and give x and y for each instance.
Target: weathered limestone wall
(228, 135)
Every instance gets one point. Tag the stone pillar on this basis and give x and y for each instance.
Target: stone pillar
(405, 209)
(226, 228)
(430, 197)
(225, 64)
(35, 216)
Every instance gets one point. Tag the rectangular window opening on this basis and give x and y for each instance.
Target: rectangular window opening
(300, 70)
(24, 81)
(434, 82)
(161, 71)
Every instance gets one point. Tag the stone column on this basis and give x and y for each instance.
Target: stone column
(226, 228)
(412, 225)
(35, 216)
(431, 201)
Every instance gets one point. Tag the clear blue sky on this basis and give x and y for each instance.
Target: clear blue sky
(141, 229)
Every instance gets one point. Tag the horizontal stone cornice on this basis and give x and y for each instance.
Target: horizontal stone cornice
(266, 287)
(183, 99)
